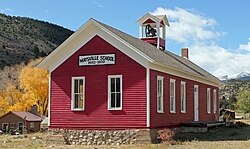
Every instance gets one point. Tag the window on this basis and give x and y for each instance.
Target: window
(159, 94)
(183, 97)
(78, 93)
(172, 95)
(115, 92)
(32, 125)
(12, 125)
(208, 101)
(5, 126)
(215, 96)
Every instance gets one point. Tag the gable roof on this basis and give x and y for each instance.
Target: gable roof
(153, 55)
(166, 58)
(157, 18)
(24, 115)
(27, 116)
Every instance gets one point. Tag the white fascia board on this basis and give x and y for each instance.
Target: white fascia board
(69, 49)
(45, 63)
(82, 36)
(146, 17)
(183, 74)
(125, 48)
(125, 43)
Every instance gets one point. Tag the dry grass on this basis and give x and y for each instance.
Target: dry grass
(219, 138)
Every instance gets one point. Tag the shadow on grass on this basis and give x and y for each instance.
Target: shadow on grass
(235, 131)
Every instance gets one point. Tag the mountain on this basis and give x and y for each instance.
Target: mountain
(23, 39)
(240, 76)
(243, 76)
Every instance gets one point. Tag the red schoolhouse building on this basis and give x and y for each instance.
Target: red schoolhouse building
(104, 79)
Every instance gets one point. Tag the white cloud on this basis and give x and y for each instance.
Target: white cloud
(218, 60)
(245, 46)
(192, 29)
(97, 4)
(188, 25)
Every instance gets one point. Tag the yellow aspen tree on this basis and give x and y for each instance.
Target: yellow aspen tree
(34, 83)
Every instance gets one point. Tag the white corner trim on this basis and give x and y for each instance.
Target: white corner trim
(148, 95)
(49, 99)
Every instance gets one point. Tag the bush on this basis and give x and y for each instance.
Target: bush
(166, 135)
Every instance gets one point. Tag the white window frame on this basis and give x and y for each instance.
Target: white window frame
(12, 125)
(32, 125)
(184, 98)
(109, 92)
(160, 78)
(4, 124)
(72, 94)
(215, 100)
(174, 97)
(208, 100)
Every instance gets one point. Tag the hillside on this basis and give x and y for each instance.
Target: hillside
(230, 90)
(23, 39)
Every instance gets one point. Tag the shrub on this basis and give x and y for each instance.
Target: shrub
(166, 135)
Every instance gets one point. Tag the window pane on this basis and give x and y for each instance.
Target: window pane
(118, 89)
(76, 101)
(159, 103)
(118, 100)
(75, 86)
(81, 85)
(112, 84)
(172, 103)
(182, 90)
(113, 100)
(171, 89)
(80, 103)
(182, 104)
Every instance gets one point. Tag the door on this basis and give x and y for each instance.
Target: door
(20, 127)
(196, 103)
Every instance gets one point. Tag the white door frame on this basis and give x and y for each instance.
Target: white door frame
(196, 103)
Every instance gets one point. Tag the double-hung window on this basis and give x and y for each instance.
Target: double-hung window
(159, 94)
(208, 101)
(115, 92)
(172, 95)
(183, 97)
(215, 97)
(78, 93)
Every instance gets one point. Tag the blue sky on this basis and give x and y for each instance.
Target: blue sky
(216, 31)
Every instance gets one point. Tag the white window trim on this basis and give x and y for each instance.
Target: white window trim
(160, 78)
(5, 123)
(174, 101)
(12, 125)
(33, 125)
(109, 91)
(215, 100)
(72, 94)
(184, 100)
(208, 100)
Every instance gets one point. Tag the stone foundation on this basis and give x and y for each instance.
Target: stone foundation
(98, 137)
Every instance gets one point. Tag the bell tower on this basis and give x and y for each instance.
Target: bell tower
(153, 29)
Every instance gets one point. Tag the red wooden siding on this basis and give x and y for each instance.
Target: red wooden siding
(174, 119)
(96, 115)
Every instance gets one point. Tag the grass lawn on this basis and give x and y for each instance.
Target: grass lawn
(219, 138)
